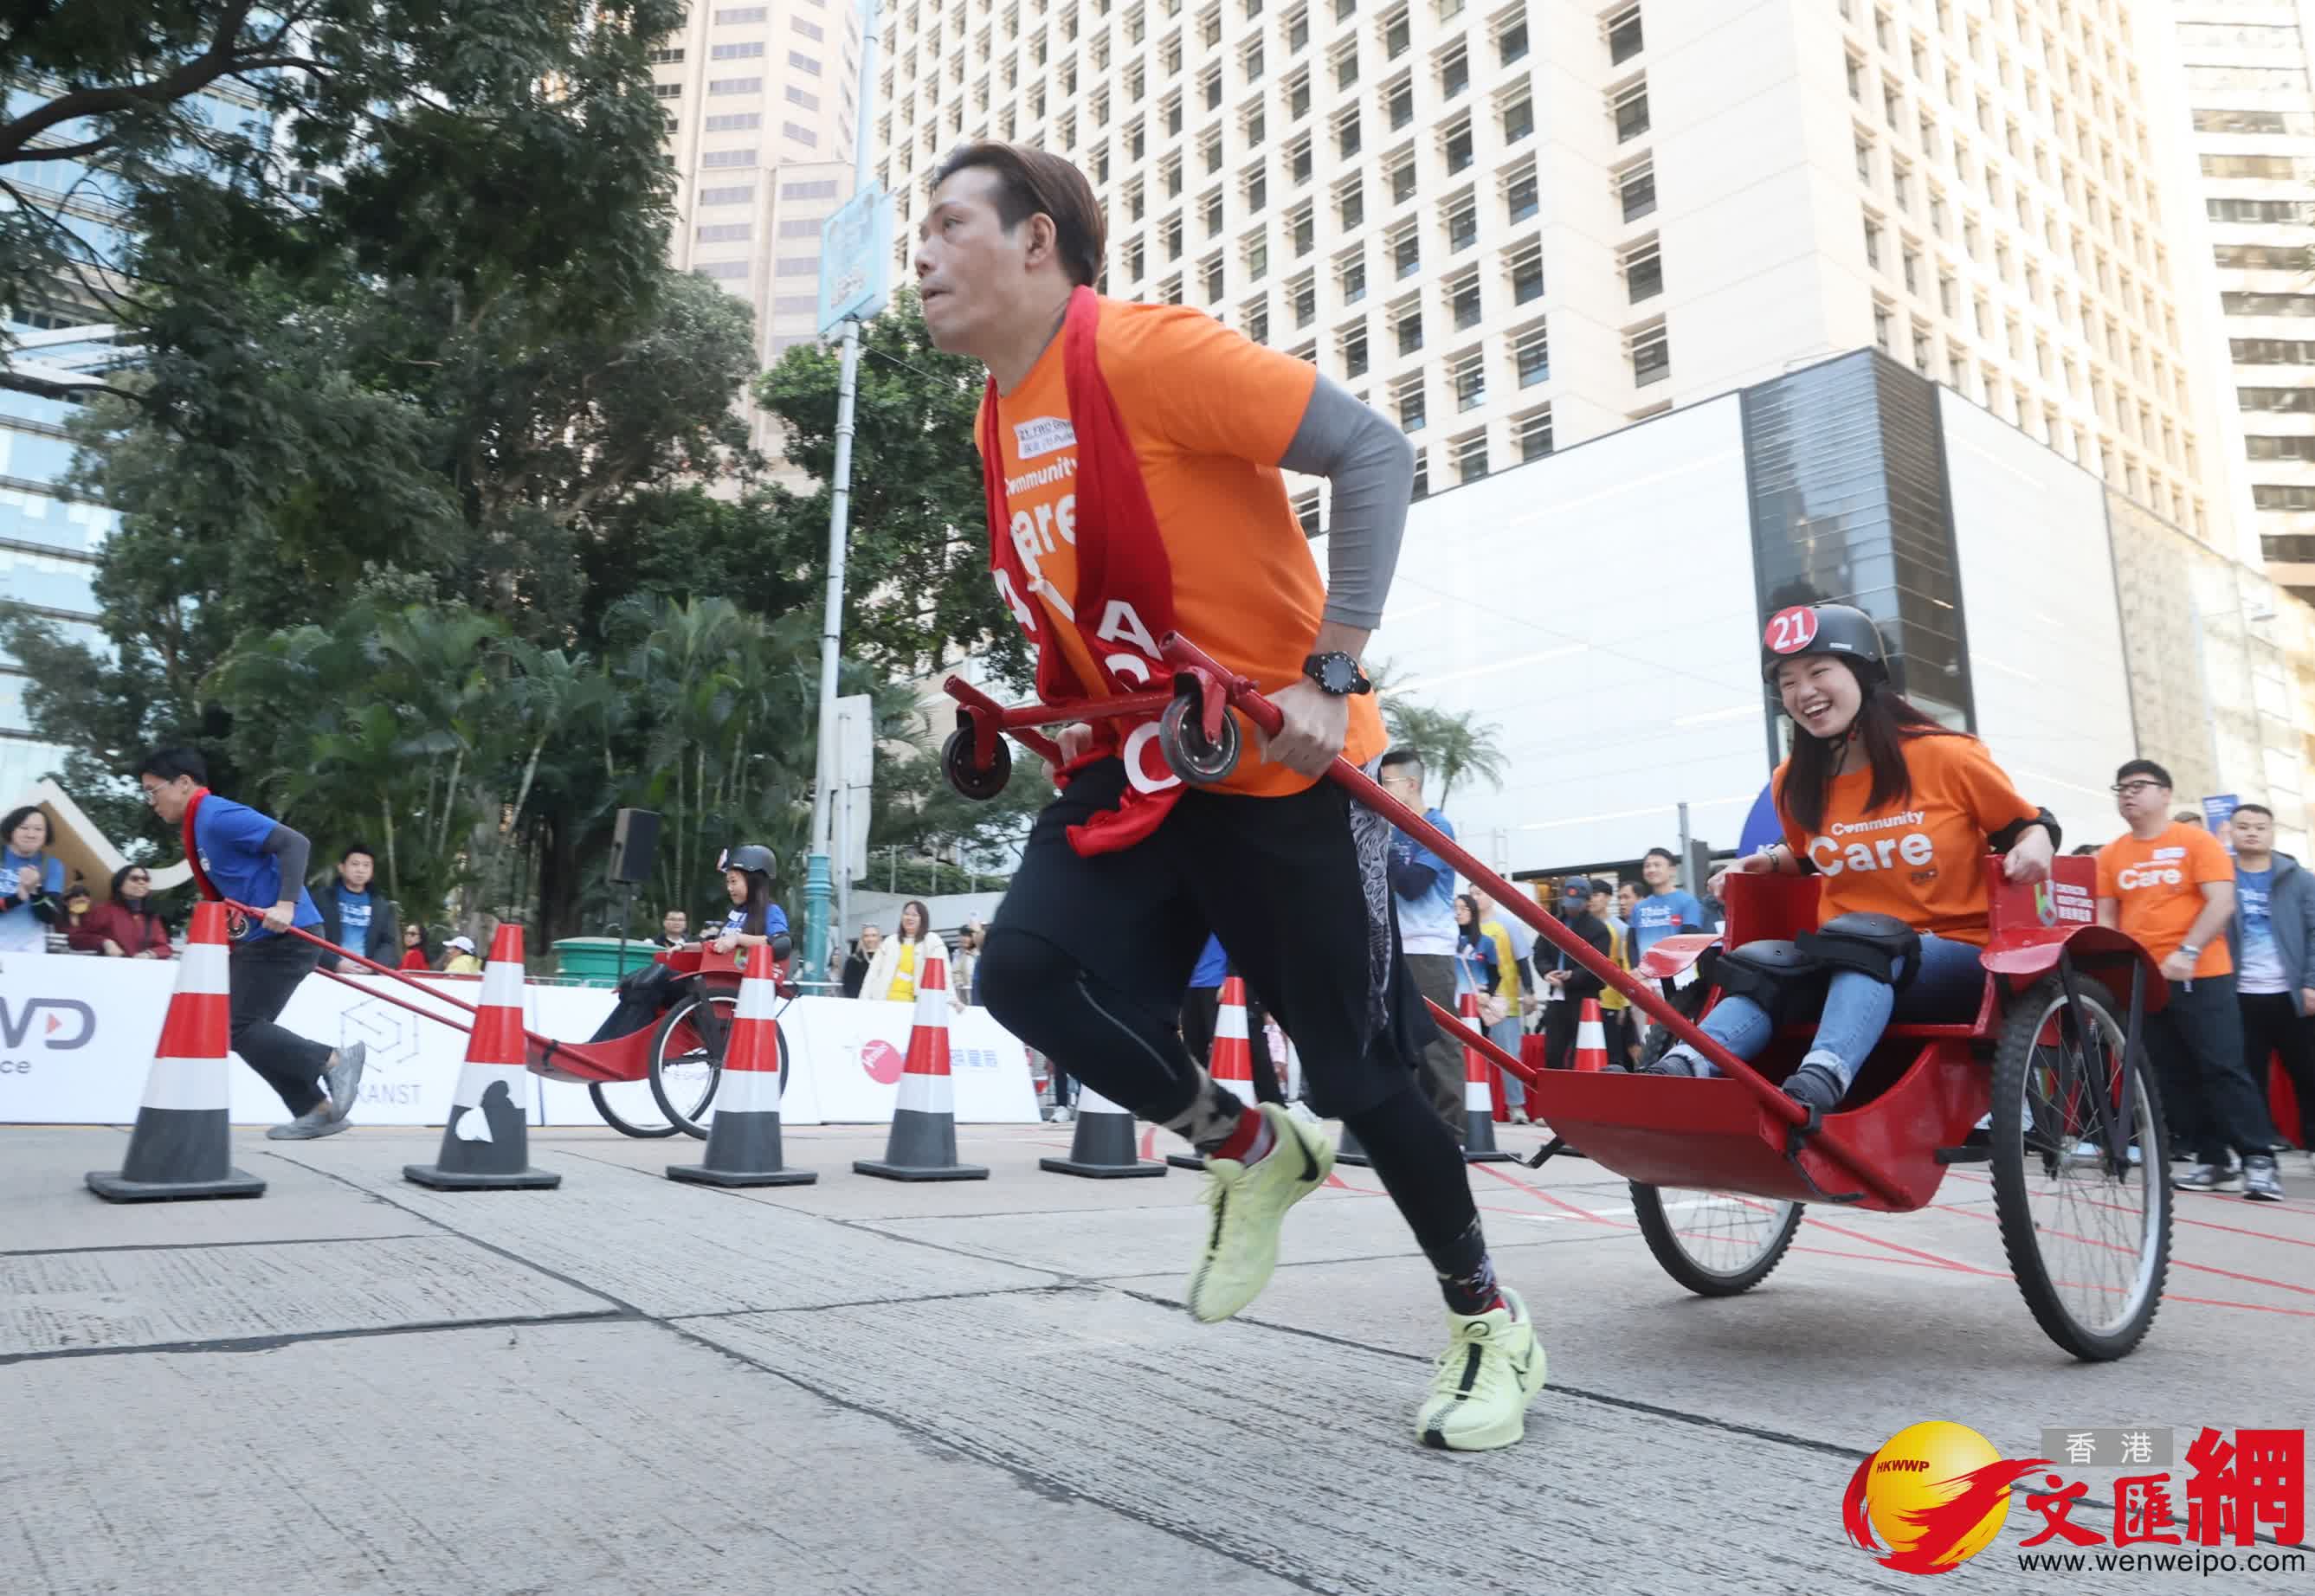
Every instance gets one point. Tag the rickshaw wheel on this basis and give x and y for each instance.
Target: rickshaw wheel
(616, 1120)
(685, 1067)
(963, 778)
(2087, 1234)
(1182, 738)
(1722, 1243)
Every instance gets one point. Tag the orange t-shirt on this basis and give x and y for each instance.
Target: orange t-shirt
(1209, 413)
(2157, 886)
(1919, 857)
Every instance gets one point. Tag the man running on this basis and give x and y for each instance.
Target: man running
(1133, 454)
(242, 856)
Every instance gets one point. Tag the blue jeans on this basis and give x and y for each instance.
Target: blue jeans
(1506, 1034)
(1857, 1010)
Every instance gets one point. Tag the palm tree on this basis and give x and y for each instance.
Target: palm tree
(1447, 742)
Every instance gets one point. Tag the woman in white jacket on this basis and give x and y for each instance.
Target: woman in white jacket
(900, 962)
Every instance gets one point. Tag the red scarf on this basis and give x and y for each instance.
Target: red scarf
(1123, 572)
(193, 849)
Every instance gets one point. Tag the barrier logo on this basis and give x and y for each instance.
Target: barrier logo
(883, 1062)
(45, 1018)
(1937, 1492)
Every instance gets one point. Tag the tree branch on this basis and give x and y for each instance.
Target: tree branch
(188, 79)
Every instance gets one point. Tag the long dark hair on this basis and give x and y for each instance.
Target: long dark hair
(1886, 720)
(759, 899)
(145, 905)
(1469, 933)
(924, 921)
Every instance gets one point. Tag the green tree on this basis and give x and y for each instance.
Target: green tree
(1451, 744)
(917, 583)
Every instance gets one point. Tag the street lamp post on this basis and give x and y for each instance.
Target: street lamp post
(818, 890)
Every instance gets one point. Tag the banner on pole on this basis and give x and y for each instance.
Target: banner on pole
(856, 258)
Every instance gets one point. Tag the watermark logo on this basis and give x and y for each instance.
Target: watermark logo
(1937, 1492)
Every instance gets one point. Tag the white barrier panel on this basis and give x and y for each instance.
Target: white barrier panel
(77, 1036)
(845, 1059)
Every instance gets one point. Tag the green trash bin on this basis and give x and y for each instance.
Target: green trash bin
(594, 961)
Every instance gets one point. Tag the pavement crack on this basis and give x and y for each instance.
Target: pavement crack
(197, 1246)
(266, 1343)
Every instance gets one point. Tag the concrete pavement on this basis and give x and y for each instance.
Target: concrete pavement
(354, 1384)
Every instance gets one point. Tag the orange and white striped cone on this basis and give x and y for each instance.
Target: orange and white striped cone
(923, 1143)
(486, 1145)
(1478, 1098)
(1231, 1060)
(182, 1145)
(744, 1139)
(1592, 1040)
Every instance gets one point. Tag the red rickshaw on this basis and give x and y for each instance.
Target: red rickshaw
(2048, 1085)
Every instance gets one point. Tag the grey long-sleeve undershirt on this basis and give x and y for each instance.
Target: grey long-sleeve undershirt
(295, 851)
(1371, 466)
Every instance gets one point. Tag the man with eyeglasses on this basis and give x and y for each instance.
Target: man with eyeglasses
(239, 856)
(2172, 887)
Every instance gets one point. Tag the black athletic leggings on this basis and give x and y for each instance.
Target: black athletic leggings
(1134, 1056)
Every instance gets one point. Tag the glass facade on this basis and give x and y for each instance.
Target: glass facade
(1845, 466)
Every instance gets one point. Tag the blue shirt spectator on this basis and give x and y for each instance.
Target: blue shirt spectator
(1666, 910)
(354, 916)
(31, 881)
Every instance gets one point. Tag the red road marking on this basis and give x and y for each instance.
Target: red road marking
(2175, 1262)
(1538, 1192)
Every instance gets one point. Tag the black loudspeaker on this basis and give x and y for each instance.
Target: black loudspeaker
(634, 839)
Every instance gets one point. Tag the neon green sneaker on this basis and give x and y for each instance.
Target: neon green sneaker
(1492, 1369)
(1249, 1201)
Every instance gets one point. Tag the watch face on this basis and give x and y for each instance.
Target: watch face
(1342, 676)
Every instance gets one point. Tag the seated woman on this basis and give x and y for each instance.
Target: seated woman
(1895, 810)
(127, 925)
(754, 922)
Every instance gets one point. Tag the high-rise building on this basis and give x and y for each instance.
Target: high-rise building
(1515, 228)
(2246, 65)
(49, 535)
(760, 104)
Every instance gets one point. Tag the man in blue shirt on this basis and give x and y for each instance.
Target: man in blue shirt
(1664, 910)
(2273, 939)
(1422, 891)
(356, 918)
(242, 856)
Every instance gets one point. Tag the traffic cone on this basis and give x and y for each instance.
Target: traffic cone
(1102, 1146)
(923, 1143)
(1231, 1060)
(486, 1145)
(1479, 1101)
(1591, 1039)
(744, 1139)
(182, 1145)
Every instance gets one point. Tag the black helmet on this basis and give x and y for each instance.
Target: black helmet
(1837, 629)
(753, 858)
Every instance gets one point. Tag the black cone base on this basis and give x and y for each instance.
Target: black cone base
(1190, 1161)
(1103, 1148)
(699, 1174)
(1350, 1152)
(882, 1170)
(468, 1180)
(113, 1187)
(1480, 1140)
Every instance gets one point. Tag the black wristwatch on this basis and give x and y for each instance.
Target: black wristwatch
(1336, 673)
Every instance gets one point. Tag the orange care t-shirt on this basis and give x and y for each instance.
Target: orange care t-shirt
(2157, 886)
(1919, 856)
(1209, 413)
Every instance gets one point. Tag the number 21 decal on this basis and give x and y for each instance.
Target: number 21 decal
(1791, 630)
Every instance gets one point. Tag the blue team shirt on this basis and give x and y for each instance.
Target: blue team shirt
(230, 838)
(20, 927)
(1666, 914)
(1213, 964)
(353, 922)
(1427, 922)
(776, 920)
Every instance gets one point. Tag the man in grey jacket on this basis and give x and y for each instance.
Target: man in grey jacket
(2273, 938)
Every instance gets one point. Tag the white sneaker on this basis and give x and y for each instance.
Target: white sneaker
(1519, 1117)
